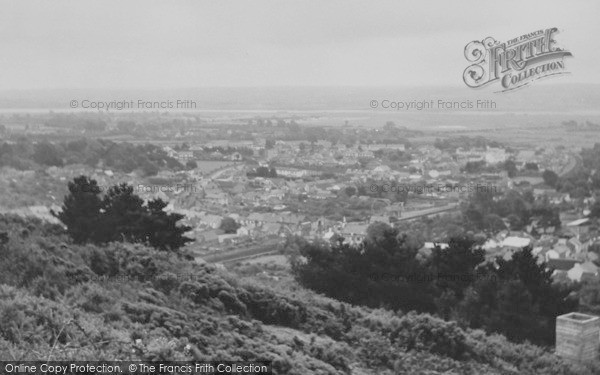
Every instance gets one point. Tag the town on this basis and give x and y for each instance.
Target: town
(252, 184)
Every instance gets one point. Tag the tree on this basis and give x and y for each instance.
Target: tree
(363, 162)
(149, 168)
(517, 298)
(474, 166)
(389, 126)
(123, 215)
(595, 210)
(493, 223)
(120, 215)
(47, 154)
(191, 164)
(229, 225)
(550, 178)
(589, 297)
(81, 210)
(163, 230)
(264, 172)
(514, 222)
(531, 166)
(511, 168)
(453, 270)
(381, 272)
(548, 216)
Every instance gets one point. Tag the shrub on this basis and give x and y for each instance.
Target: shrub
(424, 332)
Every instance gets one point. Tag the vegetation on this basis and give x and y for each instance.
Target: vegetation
(264, 172)
(229, 225)
(485, 210)
(63, 301)
(124, 157)
(514, 297)
(584, 180)
(119, 215)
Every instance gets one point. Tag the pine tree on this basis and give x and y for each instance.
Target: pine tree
(81, 210)
(165, 233)
(123, 215)
(120, 215)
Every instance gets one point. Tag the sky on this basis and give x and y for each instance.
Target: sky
(185, 44)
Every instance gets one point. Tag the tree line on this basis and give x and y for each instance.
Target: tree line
(119, 215)
(515, 297)
(126, 157)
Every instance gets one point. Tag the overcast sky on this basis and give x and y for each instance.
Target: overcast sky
(172, 44)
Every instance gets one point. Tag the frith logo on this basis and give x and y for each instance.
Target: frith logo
(515, 63)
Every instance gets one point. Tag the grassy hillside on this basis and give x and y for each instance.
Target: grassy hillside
(60, 301)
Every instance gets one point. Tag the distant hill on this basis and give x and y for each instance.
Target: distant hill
(59, 301)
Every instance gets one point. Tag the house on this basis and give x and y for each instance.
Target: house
(536, 225)
(525, 156)
(427, 248)
(512, 244)
(227, 238)
(254, 220)
(582, 271)
(275, 194)
(209, 235)
(212, 221)
(432, 245)
(354, 233)
(587, 239)
(238, 188)
(539, 193)
(561, 266)
(395, 209)
(579, 226)
(184, 156)
(273, 229)
(320, 194)
(320, 224)
(328, 235)
(381, 219)
(516, 243)
(216, 197)
(170, 152)
(575, 245)
(560, 250)
(558, 198)
(491, 244)
(540, 253)
(495, 155)
(292, 172)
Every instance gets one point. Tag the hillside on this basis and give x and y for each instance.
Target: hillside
(61, 301)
